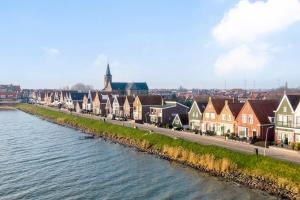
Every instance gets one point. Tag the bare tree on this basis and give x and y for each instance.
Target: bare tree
(82, 87)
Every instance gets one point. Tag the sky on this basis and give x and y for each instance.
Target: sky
(171, 43)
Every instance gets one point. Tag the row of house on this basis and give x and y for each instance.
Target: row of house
(272, 119)
(279, 121)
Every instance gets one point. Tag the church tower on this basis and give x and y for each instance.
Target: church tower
(107, 77)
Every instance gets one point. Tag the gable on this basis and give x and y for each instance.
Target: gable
(246, 110)
(209, 108)
(177, 121)
(195, 112)
(285, 107)
(285, 103)
(226, 110)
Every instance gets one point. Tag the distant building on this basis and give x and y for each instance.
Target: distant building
(123, 88)
(10, 93)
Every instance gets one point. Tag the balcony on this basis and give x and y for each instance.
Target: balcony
(288, 125)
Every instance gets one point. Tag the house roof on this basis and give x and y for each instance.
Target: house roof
(264, 109)
(201, 105)
(121, 100)
(184, 118)
(76, 96)
(218, 104)
(130, 99)
(150, 99)
(294, 100)
(235, 108)
(129, 86)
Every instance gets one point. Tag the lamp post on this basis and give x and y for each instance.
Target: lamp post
(267, 139)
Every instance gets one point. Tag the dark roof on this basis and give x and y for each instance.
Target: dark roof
(235, 108)
(128, 86)
(294, 100)
(218, 104)
(184, 118)
(150, 100)
(130, 99)
(201, 105)
(137, 86)
(121, 100)
(78, 95)
(264, 109)
(118, 86)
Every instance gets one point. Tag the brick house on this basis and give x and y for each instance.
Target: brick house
(128, 107)
(254, 119)
(227, 117)
(142, 104)
(211, 115)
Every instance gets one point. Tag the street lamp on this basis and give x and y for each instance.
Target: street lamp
(267, 139)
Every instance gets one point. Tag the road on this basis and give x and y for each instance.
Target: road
(281, 154)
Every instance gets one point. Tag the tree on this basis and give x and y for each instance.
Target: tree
(81, 87)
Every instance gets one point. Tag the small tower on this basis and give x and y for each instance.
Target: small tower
(107, 77)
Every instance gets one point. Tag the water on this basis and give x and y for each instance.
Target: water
(41, 160)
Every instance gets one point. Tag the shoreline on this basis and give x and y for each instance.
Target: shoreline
(177, 155)
(7, 108)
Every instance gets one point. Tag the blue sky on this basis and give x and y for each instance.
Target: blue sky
(195, 43)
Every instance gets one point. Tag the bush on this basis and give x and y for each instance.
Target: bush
(292, 145)
(297, 146)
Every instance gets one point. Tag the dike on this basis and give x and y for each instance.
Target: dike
(278, 178)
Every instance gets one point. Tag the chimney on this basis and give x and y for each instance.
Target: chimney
(226, 102)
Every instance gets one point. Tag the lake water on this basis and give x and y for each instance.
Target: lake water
(42, 160)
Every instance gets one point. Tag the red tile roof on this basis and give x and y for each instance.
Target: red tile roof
(235, 108)
(264, 109)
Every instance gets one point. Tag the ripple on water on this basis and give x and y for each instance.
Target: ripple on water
(41, 160)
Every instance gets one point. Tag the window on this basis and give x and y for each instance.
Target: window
(297, 138)
(196, 115)
(284, 109)
(243, 132)
(212, 115)
(244, 118)
(223, 117)
(280, 118)
(297, 122)
(193, 115)
(250, 119)
(207, 115)
(229, 117)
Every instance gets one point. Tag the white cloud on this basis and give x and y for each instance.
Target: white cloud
(243, 29)
(248, 21)
(52, 51)
(241, 58)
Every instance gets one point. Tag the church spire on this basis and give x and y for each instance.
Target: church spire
(108, 70)
(107, 77)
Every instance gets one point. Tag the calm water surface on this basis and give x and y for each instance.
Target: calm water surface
(41, 160)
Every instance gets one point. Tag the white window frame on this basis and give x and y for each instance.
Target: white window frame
(244, 118)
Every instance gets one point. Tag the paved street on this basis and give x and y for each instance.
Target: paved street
(206, 140)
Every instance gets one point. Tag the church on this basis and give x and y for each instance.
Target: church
(123, 88)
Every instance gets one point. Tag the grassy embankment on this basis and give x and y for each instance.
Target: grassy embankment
(211, 158)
